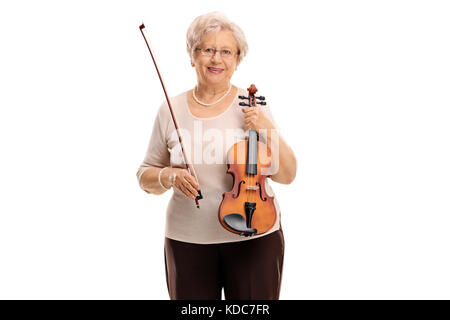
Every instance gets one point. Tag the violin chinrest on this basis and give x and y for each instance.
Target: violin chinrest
(237, 222)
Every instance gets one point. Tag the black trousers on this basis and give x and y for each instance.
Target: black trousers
(249, 269)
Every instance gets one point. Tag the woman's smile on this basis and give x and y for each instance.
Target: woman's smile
(215, 70)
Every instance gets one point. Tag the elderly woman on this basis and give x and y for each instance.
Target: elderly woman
(201, 256)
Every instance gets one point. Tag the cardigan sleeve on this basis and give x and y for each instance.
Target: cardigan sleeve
(157, 154)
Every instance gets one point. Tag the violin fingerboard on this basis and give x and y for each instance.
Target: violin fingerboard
(252, 153)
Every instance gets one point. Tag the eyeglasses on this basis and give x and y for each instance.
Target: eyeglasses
(210, 52)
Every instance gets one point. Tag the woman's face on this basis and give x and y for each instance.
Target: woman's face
(223, 68)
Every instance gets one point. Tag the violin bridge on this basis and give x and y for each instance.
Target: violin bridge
(255, 188)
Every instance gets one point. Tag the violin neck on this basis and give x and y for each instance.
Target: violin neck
(252, 152)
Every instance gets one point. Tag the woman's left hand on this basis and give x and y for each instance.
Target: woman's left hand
(254, 118)
(285, 162)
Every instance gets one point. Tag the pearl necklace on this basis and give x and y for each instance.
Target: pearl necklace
(210, 104)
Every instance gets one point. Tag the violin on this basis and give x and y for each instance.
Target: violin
(247, 210)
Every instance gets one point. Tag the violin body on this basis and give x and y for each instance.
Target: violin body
(247, 209)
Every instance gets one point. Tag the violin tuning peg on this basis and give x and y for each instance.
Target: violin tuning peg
(261, 98)
(244, 104)
(261, 103)
(243, 97)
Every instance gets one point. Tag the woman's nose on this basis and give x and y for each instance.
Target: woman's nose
(216, 53)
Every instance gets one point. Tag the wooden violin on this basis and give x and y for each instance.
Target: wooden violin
(247, 209)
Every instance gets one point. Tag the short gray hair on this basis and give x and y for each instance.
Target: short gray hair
(214, 21)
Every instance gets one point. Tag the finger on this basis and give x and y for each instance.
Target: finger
(253, 116)
(190, 178)
(184, 176)
(250, 114)
(190, 184)
(186, 192)
(194, 183)
(192, 191)
(247, 110)
(179, 185)
(251, 109)
(250, 117)
(249, 122)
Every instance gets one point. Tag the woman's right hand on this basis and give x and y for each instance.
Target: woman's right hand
(184, 181)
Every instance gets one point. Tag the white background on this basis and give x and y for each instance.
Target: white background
(360, 90)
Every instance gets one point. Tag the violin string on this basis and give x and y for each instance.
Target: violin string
(246, 194)
(256, 158)
(249, 184)
(253, 184)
